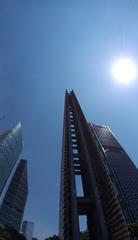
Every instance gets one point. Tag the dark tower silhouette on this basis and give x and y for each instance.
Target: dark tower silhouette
(12, 208)
(84, 156)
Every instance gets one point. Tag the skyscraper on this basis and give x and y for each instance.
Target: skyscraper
(10, 149)
(91, 154)
(123, 172)
(12, 208)
(27, 229)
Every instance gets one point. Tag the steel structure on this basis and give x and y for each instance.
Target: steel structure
(83, 155)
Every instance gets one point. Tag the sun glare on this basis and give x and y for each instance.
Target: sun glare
(124, 70)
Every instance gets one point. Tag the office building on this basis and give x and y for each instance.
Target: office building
(93, 158)
(123, 172)
(27, 229)
(10, 149)
(12, 208)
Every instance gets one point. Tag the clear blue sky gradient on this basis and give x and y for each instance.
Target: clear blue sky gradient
(47, 46)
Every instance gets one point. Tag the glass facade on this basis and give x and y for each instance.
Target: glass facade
(122, 170)
(27, 229)
(10, 149)
(12, 209)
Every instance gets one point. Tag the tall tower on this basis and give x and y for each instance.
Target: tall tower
(83, 156)
(27, 229)
(12, 208)
(123, 172)
(10, 149)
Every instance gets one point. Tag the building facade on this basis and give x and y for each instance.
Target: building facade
(12, 208)
(10, 149)
(27, 229)
(123, 172)
(104, 202)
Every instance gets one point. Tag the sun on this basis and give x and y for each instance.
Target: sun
(124, 70)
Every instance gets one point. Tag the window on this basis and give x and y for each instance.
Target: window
(76, 164)
(74, 145)
(75, 151)
(79, 187)
(83, 223)
(71, 120)
(72, 130)
(73, 135)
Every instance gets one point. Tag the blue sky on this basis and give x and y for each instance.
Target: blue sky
(47, 46)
